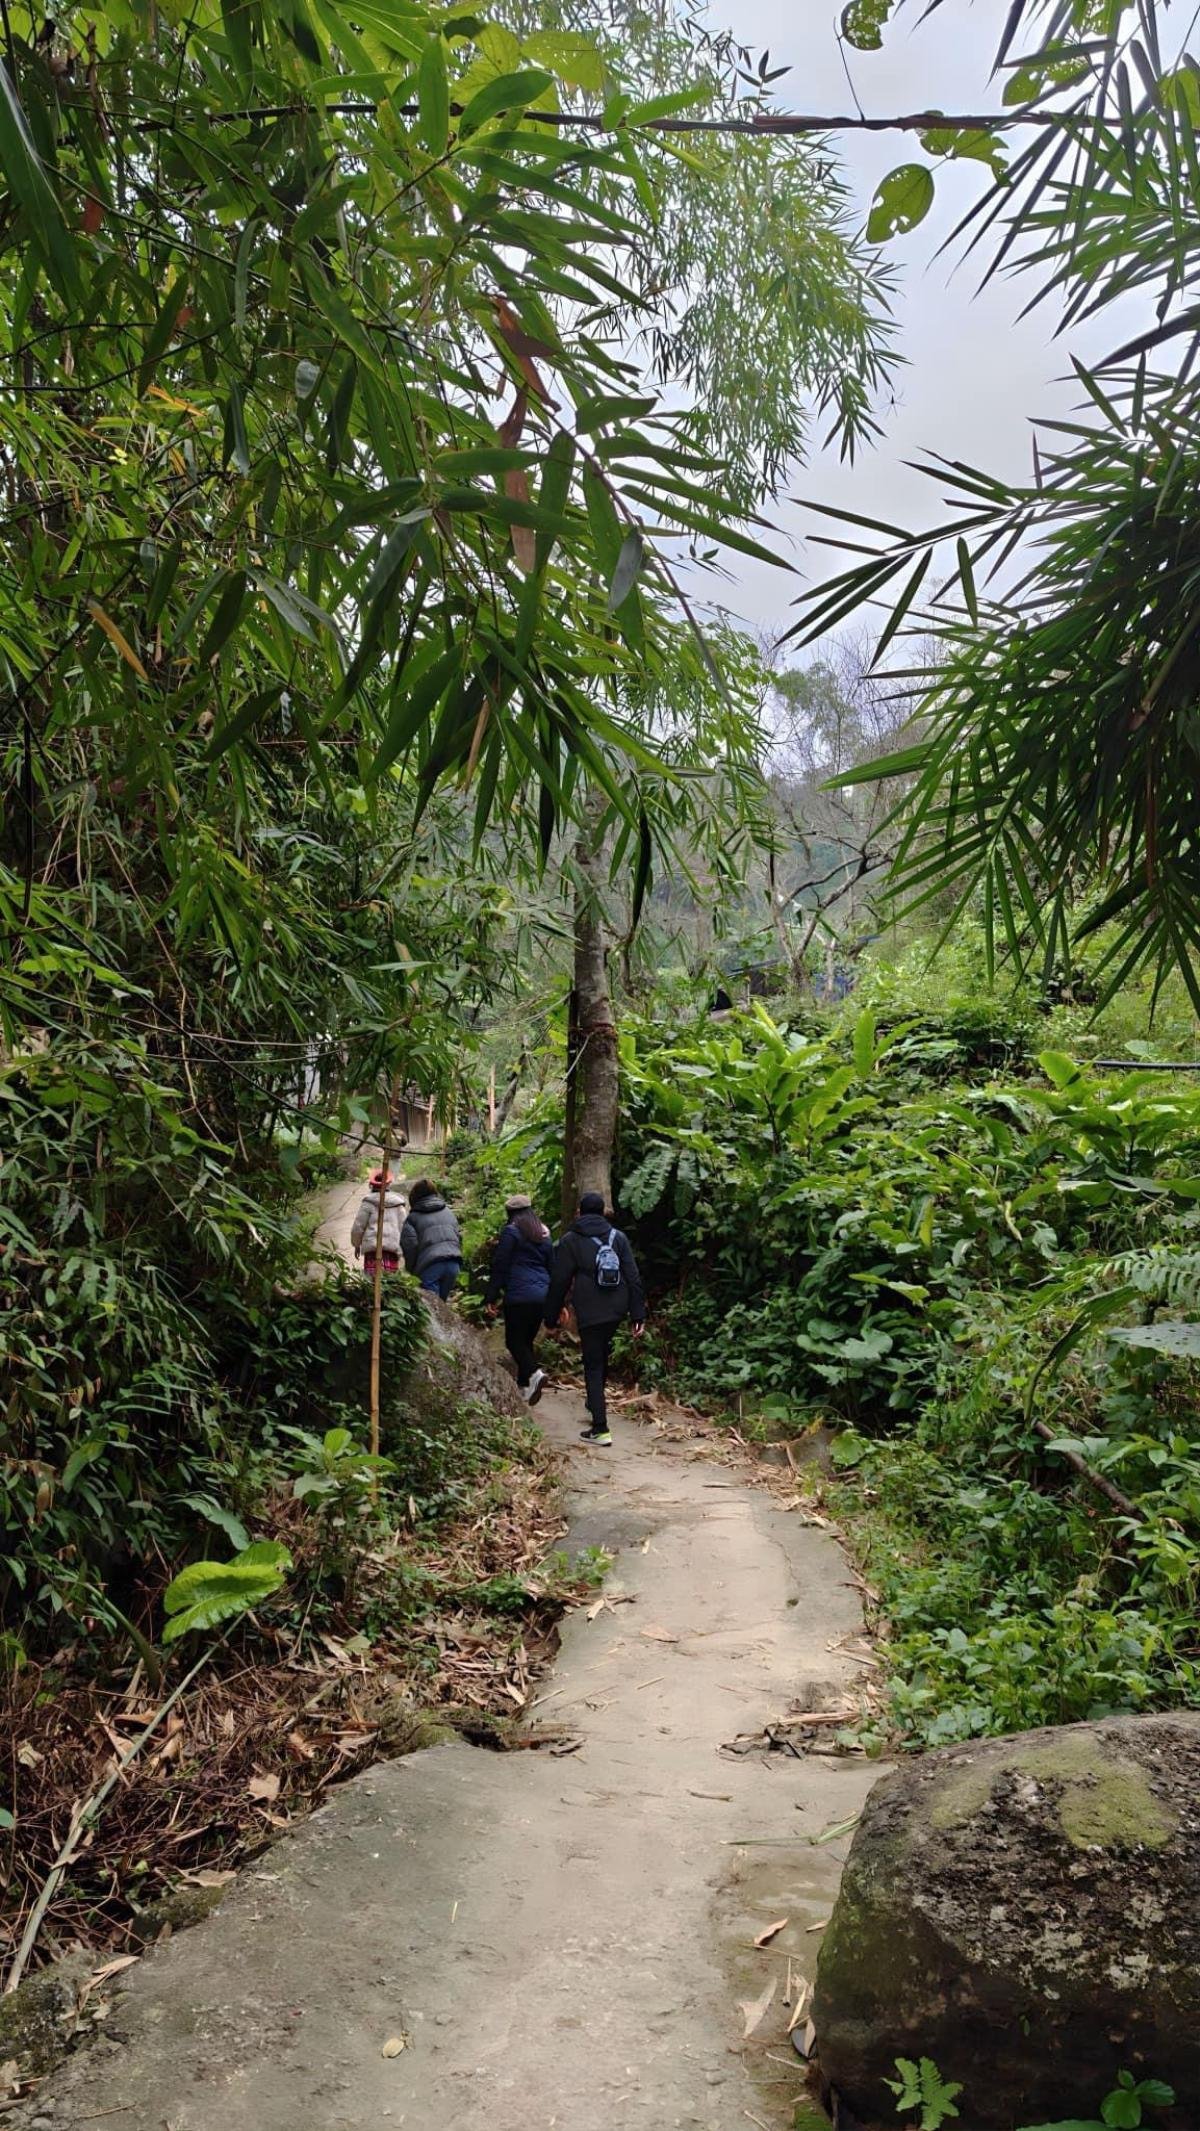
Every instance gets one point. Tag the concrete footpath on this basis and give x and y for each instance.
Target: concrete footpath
(473, 1941)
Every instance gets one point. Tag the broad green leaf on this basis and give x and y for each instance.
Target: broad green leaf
(1180, 1341)
(508, 92)
(901, 202)
(208, 1592)
(1058, 1068)
(864, 22)
(570, 56)
(967, 143)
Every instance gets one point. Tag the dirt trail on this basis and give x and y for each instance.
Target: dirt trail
(559, 1942)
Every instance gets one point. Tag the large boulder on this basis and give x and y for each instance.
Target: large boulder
(1025, 1912)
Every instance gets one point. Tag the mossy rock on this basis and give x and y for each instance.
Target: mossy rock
(1026, 1912)
(39, 2020)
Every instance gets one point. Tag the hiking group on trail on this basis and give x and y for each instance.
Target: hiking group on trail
(592, 1272)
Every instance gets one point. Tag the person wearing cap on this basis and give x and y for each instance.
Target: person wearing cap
(594, 1265)
(365, 1233)
(520, 1272)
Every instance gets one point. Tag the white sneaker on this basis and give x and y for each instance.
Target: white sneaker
(536, 1385)
(523, 1391)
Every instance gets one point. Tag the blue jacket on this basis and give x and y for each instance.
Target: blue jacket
(520, 1268)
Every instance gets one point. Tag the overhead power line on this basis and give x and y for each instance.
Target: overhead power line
(763, 124)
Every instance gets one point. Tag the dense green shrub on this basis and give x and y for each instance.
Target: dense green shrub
(839, 1231)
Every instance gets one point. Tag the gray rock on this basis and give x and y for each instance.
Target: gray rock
(1026, 1912)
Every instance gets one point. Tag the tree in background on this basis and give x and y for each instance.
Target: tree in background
(1058, 743)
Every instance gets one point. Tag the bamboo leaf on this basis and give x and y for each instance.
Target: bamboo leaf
(115, 636)
(433, 93)
(629, 566)
(507, 92)
(32, 190)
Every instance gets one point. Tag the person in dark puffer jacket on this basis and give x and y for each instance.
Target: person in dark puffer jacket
(598, 1310)
(431, 1240)
(521, 1267)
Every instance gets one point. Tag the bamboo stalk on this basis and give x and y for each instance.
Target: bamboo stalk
(377, 1289)
(79, 1819)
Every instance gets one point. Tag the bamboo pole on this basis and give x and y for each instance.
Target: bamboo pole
(492, 1101)
(377, 1291)
(79, 1820)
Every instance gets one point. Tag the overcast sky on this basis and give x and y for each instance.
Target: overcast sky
(976, 373)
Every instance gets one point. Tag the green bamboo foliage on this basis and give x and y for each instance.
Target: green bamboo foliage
(1057, 739)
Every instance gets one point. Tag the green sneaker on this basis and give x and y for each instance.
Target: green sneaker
(596, 1435)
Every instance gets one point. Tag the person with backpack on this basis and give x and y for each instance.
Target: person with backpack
(431, 1240)
(365, 1232)
(521, 1266)
(594, 1265)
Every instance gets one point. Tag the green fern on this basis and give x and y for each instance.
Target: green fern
(646, 1187)
(1162, 1274)
(921, 2086)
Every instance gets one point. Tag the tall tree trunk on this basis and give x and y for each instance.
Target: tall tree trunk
(593, 1092)
(570, 1107)
(512, 1089)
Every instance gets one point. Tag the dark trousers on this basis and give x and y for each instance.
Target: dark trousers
(596, 1341)
(522, 1323)
(440, 1277)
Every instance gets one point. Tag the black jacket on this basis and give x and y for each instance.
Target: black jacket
(573, 1275)
(431, 1234)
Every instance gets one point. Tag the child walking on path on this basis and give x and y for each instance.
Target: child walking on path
(365, 1231)
(521, 1267)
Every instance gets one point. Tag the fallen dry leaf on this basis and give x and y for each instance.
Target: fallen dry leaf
(755, 2011)
(113, 1968)
(658, 1635)
(820, 1923)
(297, 1744)
(772, 1932)
(265, 1788)
(802, 1997)
(394, 2046)
(209, 1879)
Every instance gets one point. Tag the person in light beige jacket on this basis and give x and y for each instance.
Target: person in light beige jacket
(365, 1231)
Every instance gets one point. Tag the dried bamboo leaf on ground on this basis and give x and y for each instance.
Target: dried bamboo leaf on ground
(754, 2011)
